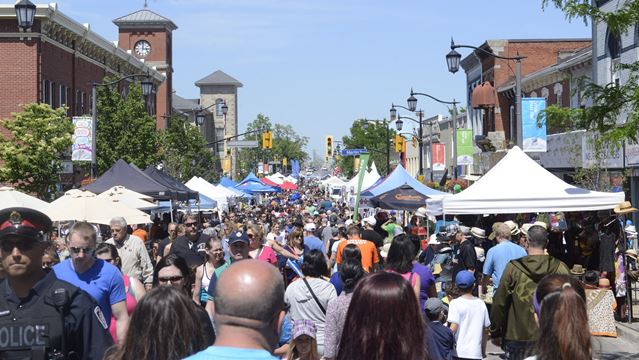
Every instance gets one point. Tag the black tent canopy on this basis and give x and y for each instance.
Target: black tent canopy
(132, 178)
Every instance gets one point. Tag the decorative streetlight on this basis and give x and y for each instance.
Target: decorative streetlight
(453, 59)
(399, 124)
(147, 89)
(25, 11)
(412, 105)
(200, 117)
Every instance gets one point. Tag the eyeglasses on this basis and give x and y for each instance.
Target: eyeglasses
(22, 245)
(171, 279)
(190, 224)
(77, 250)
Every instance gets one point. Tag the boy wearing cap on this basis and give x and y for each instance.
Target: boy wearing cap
(439, 338)
(469, 320)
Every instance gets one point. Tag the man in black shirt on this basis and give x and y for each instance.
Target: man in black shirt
(465, 257)
(371, 235)
(192, 246)
(172, 230)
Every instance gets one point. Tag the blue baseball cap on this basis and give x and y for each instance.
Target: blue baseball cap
(238, 236)
(464, 279)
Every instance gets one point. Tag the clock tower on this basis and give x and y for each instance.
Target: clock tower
(149, 37)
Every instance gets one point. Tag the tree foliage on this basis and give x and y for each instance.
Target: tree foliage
(286, 144)
(375, 138)
(31, 156)
(124, 129)
(184, 151)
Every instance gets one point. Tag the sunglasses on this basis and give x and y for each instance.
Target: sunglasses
(77, 250)
(22, 245)
(190, 224)
(171, 279)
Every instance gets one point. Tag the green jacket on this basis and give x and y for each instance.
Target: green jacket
(512, 313)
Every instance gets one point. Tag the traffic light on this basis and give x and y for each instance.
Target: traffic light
(414, 141)
(329, 147)
(399, 143)
(267, 140)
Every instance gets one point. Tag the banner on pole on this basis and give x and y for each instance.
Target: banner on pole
(439, 157)
(363, 165)
(534, 137)
(82, 147)
(464, 146)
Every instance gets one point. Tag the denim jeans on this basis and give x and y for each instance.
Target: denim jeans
(518, 350)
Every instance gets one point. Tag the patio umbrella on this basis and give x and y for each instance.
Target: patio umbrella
(10, 197)
(86, 206)
(128, 197)
(401, 198)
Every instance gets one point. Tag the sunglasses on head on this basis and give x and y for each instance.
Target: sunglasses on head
(21, 244)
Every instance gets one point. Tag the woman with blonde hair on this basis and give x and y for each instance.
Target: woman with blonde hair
(303, 345)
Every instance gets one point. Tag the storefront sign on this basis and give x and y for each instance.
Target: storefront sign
(534, 132)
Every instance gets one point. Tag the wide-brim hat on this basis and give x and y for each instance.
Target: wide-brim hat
(433, 240)
(631, 230)
(577, 270)
(478, 232)
(514, 229)
(604, 283)
(632, 253)
(624, 208)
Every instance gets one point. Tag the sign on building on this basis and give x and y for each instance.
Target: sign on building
(534, 131)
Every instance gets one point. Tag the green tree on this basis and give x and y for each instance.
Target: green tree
(185, 152)
(286, 143)
(124, 129)
(374, 138)
(31, 156)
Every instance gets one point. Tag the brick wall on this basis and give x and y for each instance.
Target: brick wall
(18, 76)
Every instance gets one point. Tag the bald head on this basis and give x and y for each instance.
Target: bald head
(250, 289)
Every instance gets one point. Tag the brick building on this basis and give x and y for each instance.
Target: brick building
(479, 67)
(57, 61)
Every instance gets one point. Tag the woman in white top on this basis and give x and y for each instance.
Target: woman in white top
(204, 273)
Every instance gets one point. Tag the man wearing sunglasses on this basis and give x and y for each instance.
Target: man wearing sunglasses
(100, 279)
(43, 316)
(192, 246)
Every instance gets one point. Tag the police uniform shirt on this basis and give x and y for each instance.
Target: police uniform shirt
(85, 328)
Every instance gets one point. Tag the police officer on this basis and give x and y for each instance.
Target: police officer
(42, 317)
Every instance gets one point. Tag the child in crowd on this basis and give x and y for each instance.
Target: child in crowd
(440, 339)
(468, 318)
(303, 346)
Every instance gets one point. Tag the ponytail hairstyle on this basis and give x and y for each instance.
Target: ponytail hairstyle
(560, 304)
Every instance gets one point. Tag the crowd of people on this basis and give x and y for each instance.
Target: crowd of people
(306, 279)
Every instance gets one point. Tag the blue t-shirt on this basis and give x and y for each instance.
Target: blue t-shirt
(102, 281)
(337, 282)
(312, 242)
(499, 256)
(230, 353)
(286, 332)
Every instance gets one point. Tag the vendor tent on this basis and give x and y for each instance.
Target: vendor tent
(288, 186)
(251, 184)
(226, 182)
(86, 206)
(400, 177)
(369, 180)
(128, 197)
(131, 178)
(401, 198)
(268, 181)
(183, 192)
(209, 190)
(517, 184)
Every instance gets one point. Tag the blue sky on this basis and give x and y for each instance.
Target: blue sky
(319, 65)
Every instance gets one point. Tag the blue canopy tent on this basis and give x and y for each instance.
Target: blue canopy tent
(398, 178)
(206, 203)
(226, 182)
(251, 184)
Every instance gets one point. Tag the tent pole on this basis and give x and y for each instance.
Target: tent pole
(171, 209)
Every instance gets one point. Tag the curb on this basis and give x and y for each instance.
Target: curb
(628, 332)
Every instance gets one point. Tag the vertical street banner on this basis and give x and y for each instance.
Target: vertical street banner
(363, 165)
(439, 157)
(464, 145)
(82, 147)
(533, 133)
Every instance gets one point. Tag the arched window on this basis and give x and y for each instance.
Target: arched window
(558, 89)
(544, 92)
(533, 94)
(218, 107)
(613, 45)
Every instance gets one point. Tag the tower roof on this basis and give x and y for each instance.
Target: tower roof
(218, 78)
(144, 17)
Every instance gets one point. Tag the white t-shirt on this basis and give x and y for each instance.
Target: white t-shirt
(471, 317)
(334, 250)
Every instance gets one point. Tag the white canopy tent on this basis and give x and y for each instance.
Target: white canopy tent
(517, 184)
(374, 171)
(209, 190)
(370, 179)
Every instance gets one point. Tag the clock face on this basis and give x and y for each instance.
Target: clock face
(142, 48)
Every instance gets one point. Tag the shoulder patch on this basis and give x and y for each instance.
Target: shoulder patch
(98, 314)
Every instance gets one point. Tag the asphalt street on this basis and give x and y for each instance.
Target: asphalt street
(605, 349)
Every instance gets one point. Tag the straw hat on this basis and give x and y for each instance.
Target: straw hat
(632, 253)
(478, 232)
(433, 240)
(631, 230)
(577, 270)
(624, 208)
(526, 227)
(514, 229)
(604, 283)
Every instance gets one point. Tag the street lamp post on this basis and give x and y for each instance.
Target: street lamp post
(25, 12)
(420, 113)
(147, 89)
(412, 105)
(453, 58)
